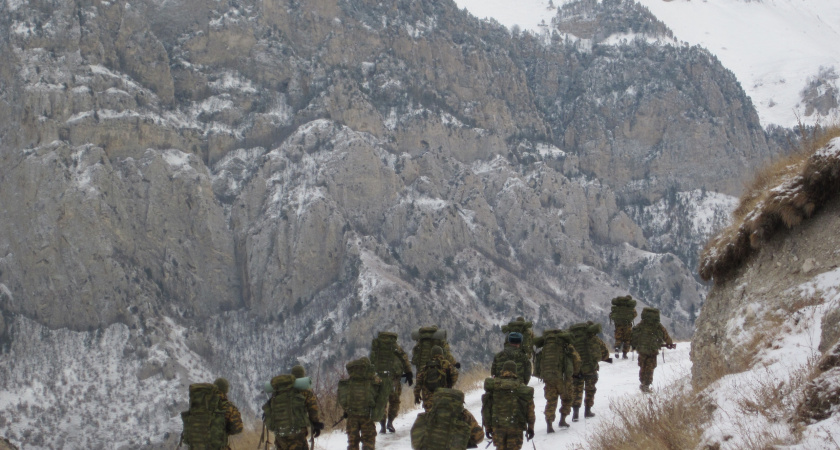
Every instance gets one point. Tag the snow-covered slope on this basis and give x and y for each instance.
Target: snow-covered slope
(776, 48)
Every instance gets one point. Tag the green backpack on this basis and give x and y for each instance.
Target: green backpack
(442, 427)
(647, 336)
(383, 355)
(516, 355)
(204, 422)
(285, 413)
(435, 376)
(551, 361)
(523, 327)
(623, 310)
(505, 403)
(360, 395)
(427, 337)
(587, 347)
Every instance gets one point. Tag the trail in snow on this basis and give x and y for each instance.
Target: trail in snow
(617, 380)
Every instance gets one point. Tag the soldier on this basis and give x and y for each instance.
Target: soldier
(447, 425)
(591, 350)
(211, 417)
(507, 409)
(286, 412)
(513, 352)
(519, 325)
(391, 364)
(647, 338)
(438, 373)
(428, 337)
(557, 363)
(353, 397)
(622, 313)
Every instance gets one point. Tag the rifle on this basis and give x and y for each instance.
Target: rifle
(311, 438)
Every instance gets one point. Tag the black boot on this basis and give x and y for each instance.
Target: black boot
(645, 388)
(624, 355)
(390, 426)
(549, 426)
(382, 424)
(563, 423)
(587, 412)
(575, 411)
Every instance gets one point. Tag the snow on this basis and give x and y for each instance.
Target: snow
(774, 47)
(617, 381)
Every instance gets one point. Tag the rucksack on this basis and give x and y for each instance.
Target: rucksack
(363, 394)
(552, 362)
(204, 422)
(647, 336)
(523, 327)
(285, 412)
(435, 376)
(427, 337)
(623, 310)
(505, 403)
(516, 355)
(587, 347)
(383, 355)
(443, 427)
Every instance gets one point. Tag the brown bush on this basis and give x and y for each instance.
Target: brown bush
(783, 194)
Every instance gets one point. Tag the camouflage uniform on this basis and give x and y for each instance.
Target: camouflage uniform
(586, 381)
(511, 438)
(361, 430)
(647, 361)
(233, 420)
(512, 352)
(422, 393)
(476, 432)
(396, 392)
(560, 388)
(298, 441)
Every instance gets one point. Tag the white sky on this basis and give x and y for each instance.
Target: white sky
(772, 46)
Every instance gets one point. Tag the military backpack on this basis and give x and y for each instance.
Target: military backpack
(443, 427)
(553, 361)
(587, 347)
(363, 394)
(285, 412)
(524, 328)
(383, 355)
(623, 310)
(204, 422)
(427, 337)
(647, 336)
(435, 375)
(518, 356)
(505, 403)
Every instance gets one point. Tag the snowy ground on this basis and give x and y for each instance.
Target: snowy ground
(620, 379)
(773, 46)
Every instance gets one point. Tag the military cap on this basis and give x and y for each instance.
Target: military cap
(298, 371)
(222, 384)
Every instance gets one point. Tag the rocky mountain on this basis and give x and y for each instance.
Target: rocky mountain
(197, 188)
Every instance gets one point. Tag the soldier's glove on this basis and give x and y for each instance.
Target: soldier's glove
(416, 400)
(457, 365)
(472, 446)
(609, 360)
(672, 346)
(409, 378)
(316, 428)
(345, 415)
(489, 433)
(529, 434)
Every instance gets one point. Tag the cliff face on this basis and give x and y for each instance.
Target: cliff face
(206, 187)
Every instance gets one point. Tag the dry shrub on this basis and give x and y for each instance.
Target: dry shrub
(782, 194)
(673, 418)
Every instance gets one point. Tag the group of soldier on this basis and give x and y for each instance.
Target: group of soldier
(567, 361)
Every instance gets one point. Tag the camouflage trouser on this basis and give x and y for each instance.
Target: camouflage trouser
(361, 429)
(622, 337)
(394, 400)
(647, 363)
(507, 438)
(585, 383)
(426, 396)
(293, 442)
(553, 389)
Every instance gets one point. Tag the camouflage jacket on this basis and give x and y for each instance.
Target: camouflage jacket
(233, 420)
(476, 432)
(451, 375)
(311, 403)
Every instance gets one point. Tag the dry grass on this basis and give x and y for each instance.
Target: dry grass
(672, 419)
(782, 194)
